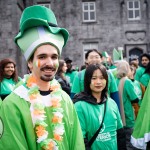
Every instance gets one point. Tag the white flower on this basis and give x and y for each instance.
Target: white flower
(42, 138)
(59, 129)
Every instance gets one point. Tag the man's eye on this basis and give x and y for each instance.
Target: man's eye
(41, 57)
(54, 57)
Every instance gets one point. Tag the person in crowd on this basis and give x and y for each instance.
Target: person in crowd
(38, 114)
(146, 76)
(141, 134)
(135, 61)
(134, 64)
(138, 87)
(128, 97)
(70, 73)
(82, 67)
(61, 78)
(95, 57)
(8, 77)
(95, 98)
(145, 59)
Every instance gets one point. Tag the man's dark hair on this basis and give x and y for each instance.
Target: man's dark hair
(145, 55)
(88, 76)
(92, 50)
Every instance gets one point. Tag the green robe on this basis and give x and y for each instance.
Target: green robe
(17, 131)
(141, 132)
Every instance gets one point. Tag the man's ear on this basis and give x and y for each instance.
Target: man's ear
(30, 65)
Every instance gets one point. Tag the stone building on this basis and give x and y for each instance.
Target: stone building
(100, 24)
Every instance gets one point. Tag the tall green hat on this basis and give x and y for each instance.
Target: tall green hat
(38, 25)
(117, 55)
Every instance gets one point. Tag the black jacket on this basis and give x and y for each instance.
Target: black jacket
(64, 84)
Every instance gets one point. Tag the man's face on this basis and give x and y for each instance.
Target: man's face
(45, 63)
(69, 65)
(145, 61)
(93, 58)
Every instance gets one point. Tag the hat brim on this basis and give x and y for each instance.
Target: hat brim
(40, 22)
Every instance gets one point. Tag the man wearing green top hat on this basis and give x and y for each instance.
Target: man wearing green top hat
(38, 114)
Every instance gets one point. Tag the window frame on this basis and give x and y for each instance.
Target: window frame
(89, 11)
(134, 9)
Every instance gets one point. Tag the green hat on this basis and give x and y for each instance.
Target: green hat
(117, 55)
(39, 16)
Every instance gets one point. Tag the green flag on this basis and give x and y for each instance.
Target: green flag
(141, 132)
(117, 55)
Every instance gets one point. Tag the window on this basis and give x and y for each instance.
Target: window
(89, 11)
(133, 10)
(89, 46)
(48, 5)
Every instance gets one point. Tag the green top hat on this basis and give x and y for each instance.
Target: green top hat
(37, 16)
(117, 55)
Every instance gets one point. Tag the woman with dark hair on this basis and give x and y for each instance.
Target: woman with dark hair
(60, 77)
(96, 110)
(8, 77)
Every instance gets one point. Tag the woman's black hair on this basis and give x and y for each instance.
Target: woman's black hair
(92, 50)
(88, 76)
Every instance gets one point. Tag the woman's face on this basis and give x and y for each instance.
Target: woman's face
(9, 70)
(64, 68)
(98, 83)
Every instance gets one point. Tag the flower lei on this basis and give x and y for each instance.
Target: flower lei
(38, 114)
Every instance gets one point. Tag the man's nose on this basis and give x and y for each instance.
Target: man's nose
(49, 61)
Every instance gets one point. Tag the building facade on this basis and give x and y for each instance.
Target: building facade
(99, 24)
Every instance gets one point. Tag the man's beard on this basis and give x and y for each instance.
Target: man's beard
(47, 78)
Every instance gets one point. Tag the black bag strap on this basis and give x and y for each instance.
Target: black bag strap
(97, 132)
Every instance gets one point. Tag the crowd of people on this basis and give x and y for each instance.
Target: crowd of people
(102, 106)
